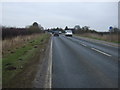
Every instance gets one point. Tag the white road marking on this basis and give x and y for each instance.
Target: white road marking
(101, 52)
(51, 65)
(83, 44)
(49, 70)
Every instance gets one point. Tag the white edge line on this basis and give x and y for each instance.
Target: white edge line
(49, 70)
(50, 84)
(101, 52)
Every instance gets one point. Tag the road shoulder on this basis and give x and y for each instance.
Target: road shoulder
(98, 41)
(43, 76)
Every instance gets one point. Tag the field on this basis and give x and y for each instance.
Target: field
(105, 37)
(21, 55)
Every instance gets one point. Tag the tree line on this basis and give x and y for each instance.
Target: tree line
(10, 32)
(86, 29)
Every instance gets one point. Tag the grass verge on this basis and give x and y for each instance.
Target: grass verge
(101, 38)
(19, 66)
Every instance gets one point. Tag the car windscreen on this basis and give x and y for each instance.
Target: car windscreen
(69, 31)
(56, 32)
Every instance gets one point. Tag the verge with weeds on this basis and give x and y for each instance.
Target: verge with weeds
(19, 64)
(114, 38)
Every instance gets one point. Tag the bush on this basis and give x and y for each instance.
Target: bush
(8, 32)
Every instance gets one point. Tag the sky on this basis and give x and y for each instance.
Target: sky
(97, 15)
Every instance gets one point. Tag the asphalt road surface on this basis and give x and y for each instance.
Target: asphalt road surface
(78, 63)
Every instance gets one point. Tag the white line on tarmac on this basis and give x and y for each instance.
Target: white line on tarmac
(48, 83)
(101, 52)
(51, 65)
(83, 44)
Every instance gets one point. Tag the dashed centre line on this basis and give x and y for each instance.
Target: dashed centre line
(101, 52)
(95, 49)
(83, 44)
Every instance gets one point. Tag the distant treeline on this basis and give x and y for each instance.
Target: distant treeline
(82, 31)
(10, 32)
(86, 29)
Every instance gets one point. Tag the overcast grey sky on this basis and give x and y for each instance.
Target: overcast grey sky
(97, 15)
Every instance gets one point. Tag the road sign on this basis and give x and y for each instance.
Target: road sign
(110, 28)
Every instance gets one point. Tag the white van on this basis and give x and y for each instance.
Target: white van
(68, 33)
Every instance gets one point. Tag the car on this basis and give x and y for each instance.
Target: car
(60, 32)
(56, 33)
(68, 33)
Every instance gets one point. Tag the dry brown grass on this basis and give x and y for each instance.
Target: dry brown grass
(107, 37)
(9, 44)
(0, 48)
(25, 60)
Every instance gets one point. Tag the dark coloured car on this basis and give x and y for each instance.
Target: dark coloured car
(56, 33)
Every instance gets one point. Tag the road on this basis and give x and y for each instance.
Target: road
(78, 63)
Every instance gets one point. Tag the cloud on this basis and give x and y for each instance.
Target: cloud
(97, 15)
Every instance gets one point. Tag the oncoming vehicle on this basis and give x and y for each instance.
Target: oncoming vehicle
(56, 33)
(60, 32)
(68, 33)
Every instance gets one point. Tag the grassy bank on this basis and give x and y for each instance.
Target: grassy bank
(20, 59)
(114, 38)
